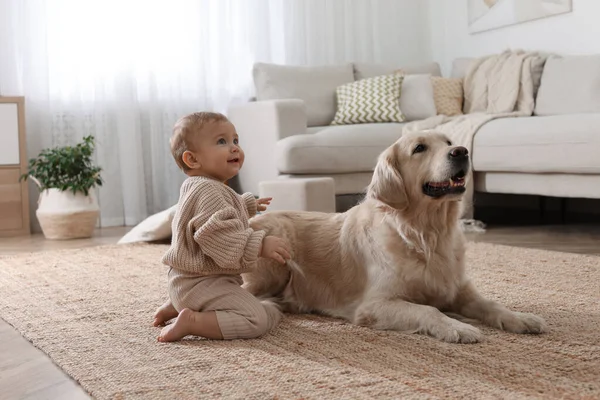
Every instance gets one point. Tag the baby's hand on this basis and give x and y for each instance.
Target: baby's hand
(275, 248)
(261, 203)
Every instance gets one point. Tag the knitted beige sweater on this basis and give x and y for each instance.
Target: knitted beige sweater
(211, 234)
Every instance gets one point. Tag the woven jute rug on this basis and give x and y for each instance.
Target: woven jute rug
(90, 310)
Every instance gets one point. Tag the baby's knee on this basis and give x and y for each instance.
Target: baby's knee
(248, 322)
(273, 312)
(268, 319)
(259, 323)
(259, 329)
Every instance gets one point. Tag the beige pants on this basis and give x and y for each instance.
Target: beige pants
(240, 315)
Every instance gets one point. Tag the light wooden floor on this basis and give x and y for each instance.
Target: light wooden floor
(27, 373)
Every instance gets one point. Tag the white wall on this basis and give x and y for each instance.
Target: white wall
(575, 33)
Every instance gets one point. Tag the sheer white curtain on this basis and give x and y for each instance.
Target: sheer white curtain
(125, 70)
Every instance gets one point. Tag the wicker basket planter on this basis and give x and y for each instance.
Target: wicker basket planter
(66, 177)
(64, 215)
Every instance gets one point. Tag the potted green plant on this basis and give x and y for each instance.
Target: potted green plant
(65, 176)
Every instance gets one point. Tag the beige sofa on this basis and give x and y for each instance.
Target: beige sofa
(555, 152)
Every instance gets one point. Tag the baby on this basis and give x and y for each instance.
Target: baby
(212, 242)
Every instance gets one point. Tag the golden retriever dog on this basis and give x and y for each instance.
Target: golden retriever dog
(396, 261)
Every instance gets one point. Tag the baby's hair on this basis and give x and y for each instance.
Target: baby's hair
(185, 129)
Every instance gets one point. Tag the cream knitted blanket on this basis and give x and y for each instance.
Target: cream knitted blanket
(496, 86)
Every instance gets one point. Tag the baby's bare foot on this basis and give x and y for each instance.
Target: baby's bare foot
(164, 313)
(180, 328)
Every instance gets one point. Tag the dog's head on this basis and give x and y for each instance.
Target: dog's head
(420, 167)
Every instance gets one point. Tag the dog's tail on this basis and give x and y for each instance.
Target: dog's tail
(295, 267)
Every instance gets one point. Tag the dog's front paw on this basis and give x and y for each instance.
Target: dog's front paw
(517, 322)
(457, 332)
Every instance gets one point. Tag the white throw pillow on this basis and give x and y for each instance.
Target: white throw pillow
(417, 101)
(155, 227)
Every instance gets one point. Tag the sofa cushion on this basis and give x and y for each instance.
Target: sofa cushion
(369, 70)
(374, 99)
(569, 85)
(314, 85)
(416, 99)
(552, 144)
(336, 149)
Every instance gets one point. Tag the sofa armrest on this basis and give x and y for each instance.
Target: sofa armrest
(260, 125)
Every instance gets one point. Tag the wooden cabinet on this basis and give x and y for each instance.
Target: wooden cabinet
(14, 195)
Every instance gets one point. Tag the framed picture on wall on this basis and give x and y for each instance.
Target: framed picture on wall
(485, 15)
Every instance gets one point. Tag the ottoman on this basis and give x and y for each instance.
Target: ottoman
(301, 194)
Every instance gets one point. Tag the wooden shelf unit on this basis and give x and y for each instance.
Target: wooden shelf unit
(14, 195)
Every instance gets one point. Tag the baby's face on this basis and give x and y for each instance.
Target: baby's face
(218, 151)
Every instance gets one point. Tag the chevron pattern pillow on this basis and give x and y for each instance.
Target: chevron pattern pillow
(369, 100)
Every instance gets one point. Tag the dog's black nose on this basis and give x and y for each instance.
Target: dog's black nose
(458, 152)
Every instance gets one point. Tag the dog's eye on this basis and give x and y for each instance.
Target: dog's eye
(419, 149)
(449, 143)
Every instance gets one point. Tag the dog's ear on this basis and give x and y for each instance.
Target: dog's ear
(387, 184)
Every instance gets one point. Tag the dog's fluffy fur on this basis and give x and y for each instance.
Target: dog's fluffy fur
(395, 261)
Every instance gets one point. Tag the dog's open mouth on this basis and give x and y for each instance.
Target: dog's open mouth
(454, 185)
(234, 160)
